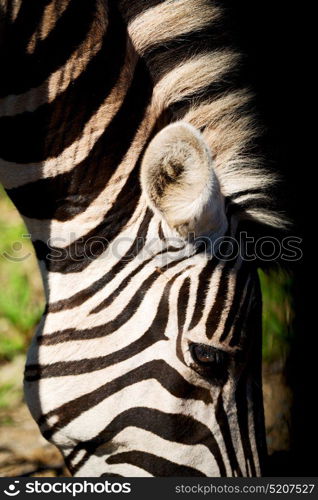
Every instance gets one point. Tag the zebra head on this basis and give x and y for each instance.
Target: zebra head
(128, 147)
(169, 381)
(211, 368)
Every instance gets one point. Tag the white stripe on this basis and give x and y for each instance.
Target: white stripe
(95, 466)
(165, 21)
(58, 81)
(16, 174)
(60, 390)
(197, 456)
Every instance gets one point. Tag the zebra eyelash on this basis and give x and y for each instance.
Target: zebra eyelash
(211, 363)
(204, 353)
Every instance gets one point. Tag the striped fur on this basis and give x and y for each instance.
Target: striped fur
(113, 376)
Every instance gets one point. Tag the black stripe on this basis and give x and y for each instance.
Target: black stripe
(130, 9)
(172, 427)
(242, 417)
(88, 292)
(106, 474)
(254, 204)
(228, 82)
(202, 290)
(222, 420)
(258, 414)
(21, 70)
(155, 333)
(256, 396)
(64, 368)
(254, 329)
(263, 204)
(215, 313)
(69, 194)
(159, 370)
(77, 256)
(71, 334)
(241, 318)
(160, 232)
(183, 300)
(204, 282)
(240, 287)
(245, 192)
(52, 127)
(155, 465)
(125, 283)
(17, 33)
(164, 56)
(249, 385)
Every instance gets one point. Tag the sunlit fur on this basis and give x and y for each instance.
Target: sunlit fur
(92, 93)
(179, 181)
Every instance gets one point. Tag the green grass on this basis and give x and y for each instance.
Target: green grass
(21, 297)
(277, 314)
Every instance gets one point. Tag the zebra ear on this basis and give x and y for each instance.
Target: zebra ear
(179, 182)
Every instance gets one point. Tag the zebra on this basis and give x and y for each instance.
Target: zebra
(128, 147)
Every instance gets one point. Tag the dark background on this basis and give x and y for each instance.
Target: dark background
(271, 34)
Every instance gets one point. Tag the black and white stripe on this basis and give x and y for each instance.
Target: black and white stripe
(111, 376)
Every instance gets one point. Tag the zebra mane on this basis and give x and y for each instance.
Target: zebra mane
(197, 78)
(126, 124)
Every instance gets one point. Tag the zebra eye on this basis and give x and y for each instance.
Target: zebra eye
(210, 362)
